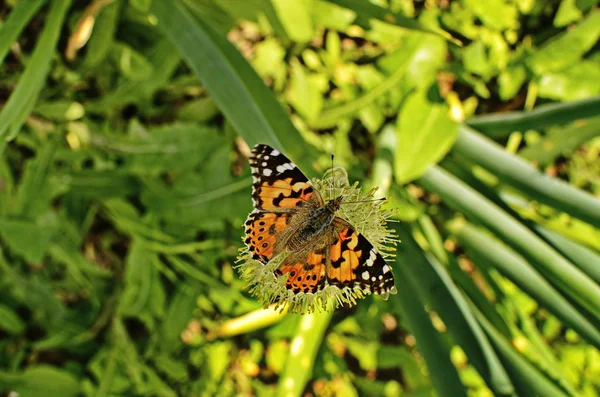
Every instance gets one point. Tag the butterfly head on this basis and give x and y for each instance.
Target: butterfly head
(334, 204)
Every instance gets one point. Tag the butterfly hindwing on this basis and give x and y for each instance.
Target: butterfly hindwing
(306, 273)
(262, 232)
(354, 262)
(277, 183)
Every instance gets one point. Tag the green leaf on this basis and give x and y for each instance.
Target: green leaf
(13, 25)
(567, 13)
(568, 48)
(131, 63)
(429, 342)
(510, 81)
(528, 379)
(303, 351)
(176, 147)
(303, 93)
(561, 141)
(498, 125)
(33, 78)
(425, 133)
(578, 81)
(10, 321)
(103, 35)
(295, 16)
(204, 199)
(28, 238)
(408, 59)
(496, 14)
(164, 59)
(366, 10)
(236, 88)
(42, 381)
(143, 296)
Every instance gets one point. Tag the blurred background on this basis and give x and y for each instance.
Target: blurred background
(125, 129)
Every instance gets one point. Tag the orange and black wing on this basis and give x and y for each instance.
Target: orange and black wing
(355, 263)
(277, 183)
(305, 273)
(279, 188)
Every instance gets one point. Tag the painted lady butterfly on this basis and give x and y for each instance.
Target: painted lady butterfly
(321, 249)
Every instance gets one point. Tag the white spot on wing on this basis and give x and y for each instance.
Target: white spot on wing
(386, 269)
(275, 152)
(365, 275)
(267, 172)
(283, 167)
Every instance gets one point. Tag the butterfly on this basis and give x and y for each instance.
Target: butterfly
(291, 218)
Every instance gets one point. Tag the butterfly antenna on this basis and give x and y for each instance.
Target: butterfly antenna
(332, 179)
(362, 201)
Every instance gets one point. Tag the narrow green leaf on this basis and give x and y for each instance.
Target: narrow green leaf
(42, 381)
(164, 59)
(527, 378)
(522, 176)
(562, 141)
(10, 321)
(586, 259)
(12, 27)
(303, 350)
(329, 117)
(296, 18)
(103, 35)
(233, 84)
(32, 80)
(30, 239)
(425, 134)
(572, 281)
(499, 125)
(437, 289)
(567, 48)
(429, 342)
(525, 277)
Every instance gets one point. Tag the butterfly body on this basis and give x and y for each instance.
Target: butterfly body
(291, 218)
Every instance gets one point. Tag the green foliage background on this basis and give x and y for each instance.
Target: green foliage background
(125, 128)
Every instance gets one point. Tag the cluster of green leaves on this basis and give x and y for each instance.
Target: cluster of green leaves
(123, 187)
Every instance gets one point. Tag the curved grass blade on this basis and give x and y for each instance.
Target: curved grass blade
(562, 141)
(32, 80)
(236, 88)
(499, 125)
(436, 287)
(572, 281)
(303, 350)
(329, 117)
(522, 176)
(525, 277)
(429, 342)
(586, 259)
(528, 379)
(16, 21)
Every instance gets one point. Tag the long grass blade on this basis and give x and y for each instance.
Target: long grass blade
(233, 84)
(549, 262)
(32, 81)
(499, 125)
(525, 277)
(522, 176)
(438, 290)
